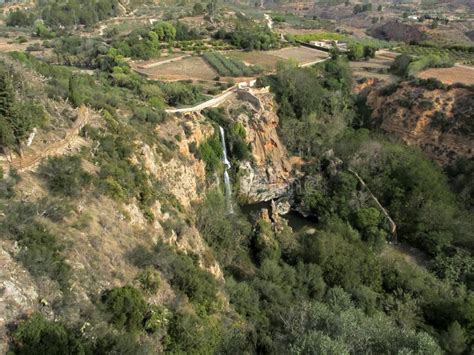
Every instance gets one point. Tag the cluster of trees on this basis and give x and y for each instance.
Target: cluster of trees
(300, 292)
(405, 65)
(414, 193)
(358, 51)
(145, 43)
(249, 36)
(17, 118)
(74, 13)
(358, 8)
(312, 109)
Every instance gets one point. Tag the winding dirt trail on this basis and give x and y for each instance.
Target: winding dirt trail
(29, 161)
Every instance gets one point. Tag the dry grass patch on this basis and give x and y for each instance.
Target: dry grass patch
(262, 59)
(457, 74)
(191, 68)
(300, 54)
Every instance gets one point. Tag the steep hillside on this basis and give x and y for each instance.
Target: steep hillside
(93, 235)
(118, 236)
(439, 121)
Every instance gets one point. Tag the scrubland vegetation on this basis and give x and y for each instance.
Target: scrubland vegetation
(335, 288)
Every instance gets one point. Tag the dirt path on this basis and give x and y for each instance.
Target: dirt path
(158, 63)
(215, 101)
(29, 161)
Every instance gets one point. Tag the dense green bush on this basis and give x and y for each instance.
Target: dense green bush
(127, 308)
(38, 336)
(181, 93)
(17, 117)
(400, 65)
(191, 334)
(311, 101)
(249, 36)
(150, 280)
(210, 152)
(198, 285)
(428, 61)
(65, 175)
(337, 326)
(19, 18)
(73, 13)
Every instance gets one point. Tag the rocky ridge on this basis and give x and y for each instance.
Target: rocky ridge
(439, 121)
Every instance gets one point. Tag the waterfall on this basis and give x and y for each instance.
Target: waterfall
(228, 188)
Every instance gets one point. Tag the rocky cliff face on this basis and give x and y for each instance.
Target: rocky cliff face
(439, 121)
(270, 174)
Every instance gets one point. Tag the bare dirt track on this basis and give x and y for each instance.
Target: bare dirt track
(33, 157)
(458, 74)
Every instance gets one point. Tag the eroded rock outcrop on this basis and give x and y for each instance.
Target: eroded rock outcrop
(181, 174)
(439, 121)
(270, 174)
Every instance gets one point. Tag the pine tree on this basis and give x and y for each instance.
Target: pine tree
(7, 95)
(454, 339)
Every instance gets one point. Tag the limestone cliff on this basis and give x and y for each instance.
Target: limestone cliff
(438, 121)
(270, 174)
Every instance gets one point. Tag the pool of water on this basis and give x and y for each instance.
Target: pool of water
(295, 220)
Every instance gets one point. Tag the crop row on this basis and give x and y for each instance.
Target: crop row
(452, 53)
(229, 66)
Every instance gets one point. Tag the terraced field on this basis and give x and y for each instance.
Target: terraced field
(190, 68)
(268, 60)
(458, 74)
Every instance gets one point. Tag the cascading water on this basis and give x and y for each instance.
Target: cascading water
(228, 189)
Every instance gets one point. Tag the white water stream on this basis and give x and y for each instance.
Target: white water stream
(228, 188)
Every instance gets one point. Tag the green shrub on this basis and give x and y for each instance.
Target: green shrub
(400, 65)
(127, 308)
(389, 89)
(199, 285)
(191, 334)
(65, 175)
(41, 253)
(37, 336)
(17, 117)
(150, 280)
(210, 152)
(428, 61)
(157, 319)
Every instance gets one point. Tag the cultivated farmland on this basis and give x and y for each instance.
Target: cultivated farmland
(191, 68)
(228, 66)
(268, 60)
(302, 55)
